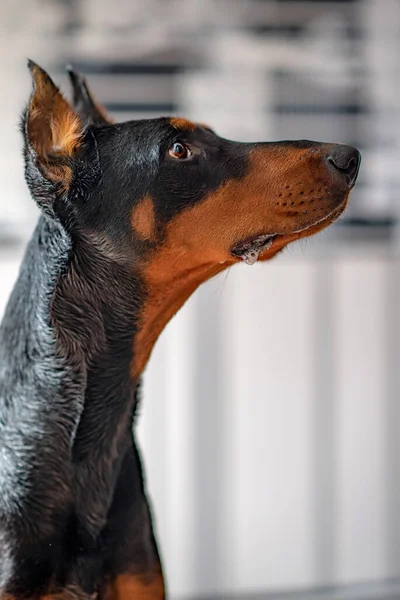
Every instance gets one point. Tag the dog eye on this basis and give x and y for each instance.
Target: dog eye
(179, 150)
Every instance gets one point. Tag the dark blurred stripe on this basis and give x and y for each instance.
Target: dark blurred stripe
(142, 107)
(384, 222)
(125, 68)
(318, 109)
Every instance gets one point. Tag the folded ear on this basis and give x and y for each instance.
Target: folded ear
(84, 103)
(53, 134)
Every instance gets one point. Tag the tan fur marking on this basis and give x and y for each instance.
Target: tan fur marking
(183, 124)
(136, 587)
(199, 239)
(143, 219)
(66, 133)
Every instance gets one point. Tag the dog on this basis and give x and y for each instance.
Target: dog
(134, 217)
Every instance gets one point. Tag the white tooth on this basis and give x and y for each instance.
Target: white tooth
(250, 257)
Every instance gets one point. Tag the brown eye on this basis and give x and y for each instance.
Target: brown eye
(179, 150)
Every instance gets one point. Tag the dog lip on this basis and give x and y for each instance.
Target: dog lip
(250, 248)
(257, 242)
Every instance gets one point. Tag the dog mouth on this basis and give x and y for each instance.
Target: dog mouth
(250, 249)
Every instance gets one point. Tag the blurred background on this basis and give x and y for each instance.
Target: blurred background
(271, 414)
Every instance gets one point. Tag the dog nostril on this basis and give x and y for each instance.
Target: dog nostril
(346, 160)
(350, 166)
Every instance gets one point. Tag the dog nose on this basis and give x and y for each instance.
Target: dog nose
(346, 160)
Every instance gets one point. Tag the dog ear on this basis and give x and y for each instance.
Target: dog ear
(84, 103)
(53, 134)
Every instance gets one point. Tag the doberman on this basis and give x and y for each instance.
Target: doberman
(134, 217)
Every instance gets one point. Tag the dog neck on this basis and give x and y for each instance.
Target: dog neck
(170, 279)
(95, 311)
(164, 299)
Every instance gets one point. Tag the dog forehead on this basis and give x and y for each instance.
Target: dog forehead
(124, 145)
(157, 130)
(145, 131)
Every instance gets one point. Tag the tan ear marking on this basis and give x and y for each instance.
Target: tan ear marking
(52, 127)
(66, 133)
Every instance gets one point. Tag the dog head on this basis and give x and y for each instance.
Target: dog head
(169, 197)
